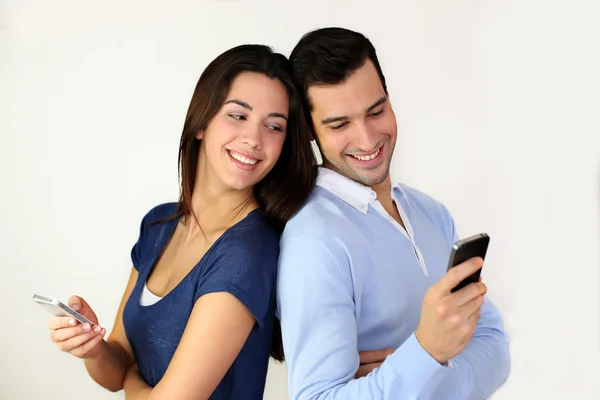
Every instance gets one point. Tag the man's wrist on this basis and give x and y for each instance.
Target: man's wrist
(443, 362)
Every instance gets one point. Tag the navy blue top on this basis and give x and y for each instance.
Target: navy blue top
(243, 262)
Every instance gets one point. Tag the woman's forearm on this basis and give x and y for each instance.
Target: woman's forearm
(108, 367)
(135, 387)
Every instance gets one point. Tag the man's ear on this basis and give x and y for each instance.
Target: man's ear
(200, 134)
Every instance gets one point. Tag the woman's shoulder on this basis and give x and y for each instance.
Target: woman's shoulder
(160, 212)
(254, 224)
(252, 235)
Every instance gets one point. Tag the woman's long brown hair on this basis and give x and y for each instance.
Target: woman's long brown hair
(285, 189)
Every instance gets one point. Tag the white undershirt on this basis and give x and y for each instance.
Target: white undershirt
(408, 232)
(148, 298)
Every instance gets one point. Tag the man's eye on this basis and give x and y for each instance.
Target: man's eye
(338, 127)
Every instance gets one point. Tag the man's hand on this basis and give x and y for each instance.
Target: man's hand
(448, 320)
(371, 359)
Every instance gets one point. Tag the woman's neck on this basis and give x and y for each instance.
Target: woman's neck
(217, 208)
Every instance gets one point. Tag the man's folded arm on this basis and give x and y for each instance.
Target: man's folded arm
(316, 307)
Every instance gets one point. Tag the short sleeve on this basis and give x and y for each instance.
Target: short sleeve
(142, 248)
(245, 265)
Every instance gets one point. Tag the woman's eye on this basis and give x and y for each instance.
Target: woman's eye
(275, 128)
(238, 117)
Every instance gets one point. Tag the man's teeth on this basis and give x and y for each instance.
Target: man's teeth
(242, 159)
(367, 158)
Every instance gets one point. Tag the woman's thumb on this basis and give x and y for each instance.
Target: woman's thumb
(77, 303)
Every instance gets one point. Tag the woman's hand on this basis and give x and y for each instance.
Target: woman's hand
(71, 336)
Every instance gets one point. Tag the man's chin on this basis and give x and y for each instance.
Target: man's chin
(369, 178)
(374, 179)
(375, 176)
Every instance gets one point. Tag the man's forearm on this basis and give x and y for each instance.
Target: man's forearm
(108, 367)
(484, 365)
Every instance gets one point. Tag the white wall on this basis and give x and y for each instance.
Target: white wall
(497, 105)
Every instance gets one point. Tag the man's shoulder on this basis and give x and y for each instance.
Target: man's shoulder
(323, 215)
(431, 209)
(418, 195)
(319, 239)
(427, 202)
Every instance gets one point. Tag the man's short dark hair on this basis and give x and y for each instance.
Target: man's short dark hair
(328, 56)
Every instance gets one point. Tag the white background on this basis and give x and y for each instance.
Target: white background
(497, 103)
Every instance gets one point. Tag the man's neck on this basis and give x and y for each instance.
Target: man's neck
(383, 190)
(384, 195)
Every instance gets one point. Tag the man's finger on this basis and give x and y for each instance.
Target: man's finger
(458, 273)
(374, 356)
(468, 293)
(473, 306)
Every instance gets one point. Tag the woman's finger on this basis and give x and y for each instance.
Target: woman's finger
(88, 347)
(61, 322)
(62, 334)
(76, 341)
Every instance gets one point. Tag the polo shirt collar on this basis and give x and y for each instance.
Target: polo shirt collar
(355, 194)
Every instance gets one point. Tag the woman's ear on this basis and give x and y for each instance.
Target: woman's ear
(200, 134)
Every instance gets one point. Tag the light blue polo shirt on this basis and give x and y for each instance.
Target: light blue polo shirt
(351, 278)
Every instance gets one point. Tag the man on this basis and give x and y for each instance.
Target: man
(363, 263)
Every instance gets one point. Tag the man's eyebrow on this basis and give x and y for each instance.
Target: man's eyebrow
(334, 119)
(373, 106)
(377, 104)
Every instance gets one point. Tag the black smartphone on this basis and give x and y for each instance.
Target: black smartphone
(464, 249)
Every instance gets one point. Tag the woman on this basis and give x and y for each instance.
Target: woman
(198, 314)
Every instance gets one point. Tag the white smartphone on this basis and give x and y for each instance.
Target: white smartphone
(58, 308)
